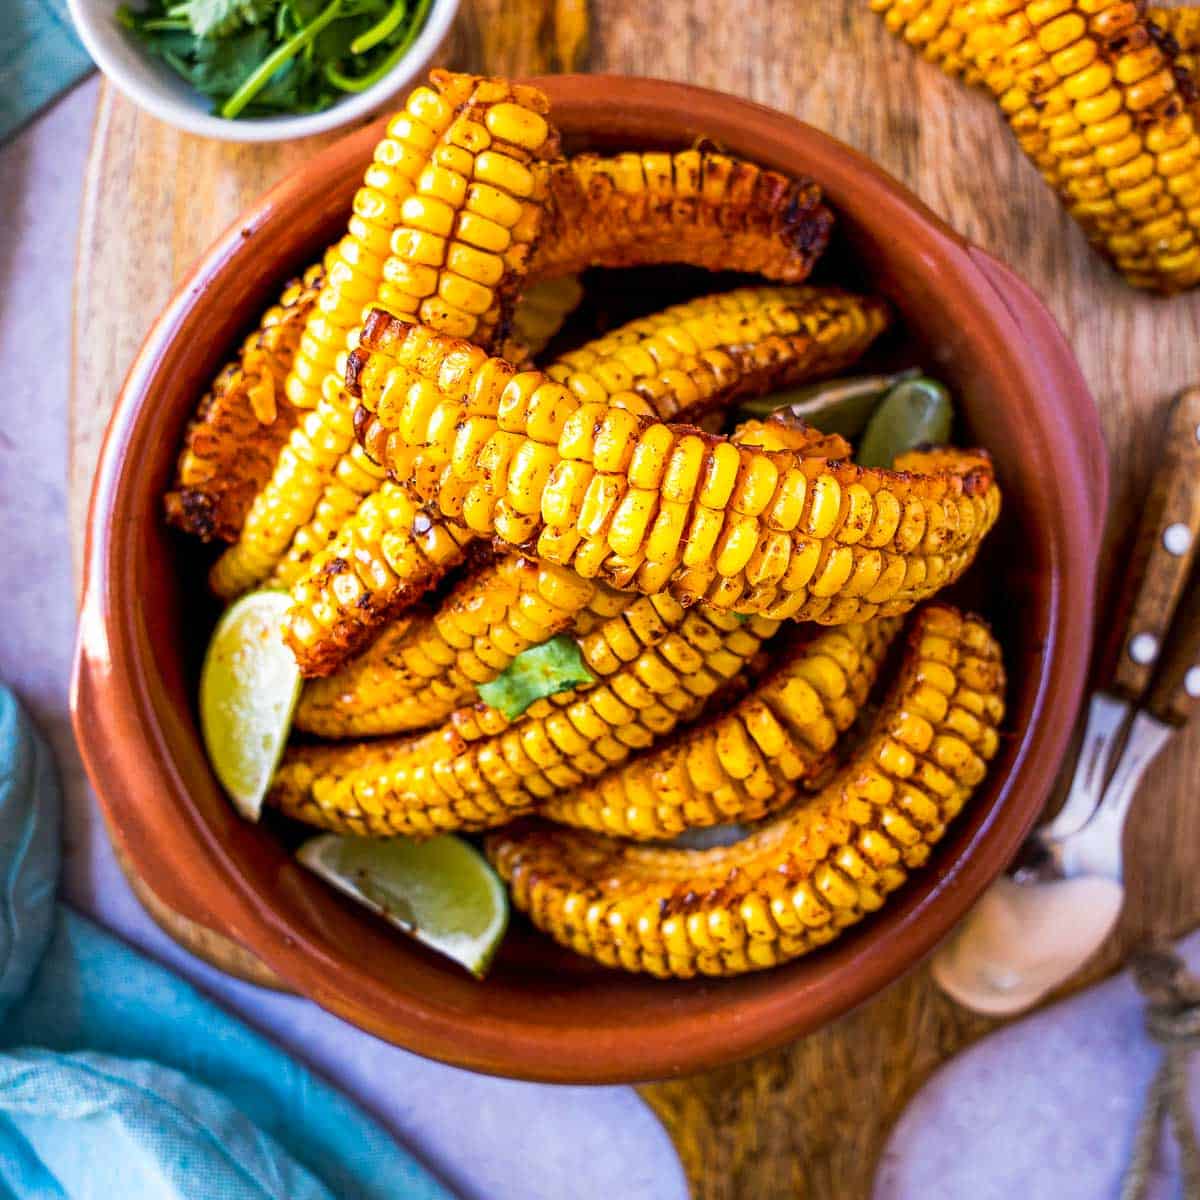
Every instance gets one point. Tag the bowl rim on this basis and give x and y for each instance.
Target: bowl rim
(110, 709)
(155, 99)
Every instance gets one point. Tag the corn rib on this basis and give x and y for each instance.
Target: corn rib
(420, 670)
(808, 873)
(424, 666)
(701, 208)
(691, 357)
(744, 763)
(230, 445)
(441, 232)
(648, 506)
(439, 781)
(1100, 101)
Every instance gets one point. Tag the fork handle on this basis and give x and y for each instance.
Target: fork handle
(1164, 550)
(1175, 694)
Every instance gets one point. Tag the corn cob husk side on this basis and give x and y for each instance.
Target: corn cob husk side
(441, 232)
(807, 874)
(745, 763)
(648, 506)
(691, 357)
(696, 207)
(231, 444)
(415, 677)
(1099, 101)
(438, 782)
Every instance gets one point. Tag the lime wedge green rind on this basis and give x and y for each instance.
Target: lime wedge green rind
(556, 665)
(442, 892)
(834, 405)
(915, 413)
(249, 686)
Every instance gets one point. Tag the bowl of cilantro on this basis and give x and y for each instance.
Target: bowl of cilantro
(262, 70)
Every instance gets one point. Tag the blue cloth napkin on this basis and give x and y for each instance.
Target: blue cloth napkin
(117, 1078)
(40, 57)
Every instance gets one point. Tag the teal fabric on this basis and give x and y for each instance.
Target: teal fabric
(40, 57)
(117, 1078)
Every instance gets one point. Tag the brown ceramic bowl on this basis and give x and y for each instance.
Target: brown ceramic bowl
(543, 1013)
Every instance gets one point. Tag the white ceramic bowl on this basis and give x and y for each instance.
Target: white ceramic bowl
(156, 88)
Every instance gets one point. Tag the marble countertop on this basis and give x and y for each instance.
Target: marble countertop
(487, 1137)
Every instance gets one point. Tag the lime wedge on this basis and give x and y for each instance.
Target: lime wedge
(914, 413)
(441, 892)
(834, 405)
(248, 690)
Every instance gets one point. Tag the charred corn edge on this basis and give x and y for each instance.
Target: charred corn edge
(384, 560)
(743, 764)
(808, 873)
(438, 783)
(502, 125)
(230, 444)
(745, 529)
(711, 210)
(672, 361)
(433, 665)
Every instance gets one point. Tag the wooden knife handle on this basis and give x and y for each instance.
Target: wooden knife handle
(1175, 693)
(1165, 548)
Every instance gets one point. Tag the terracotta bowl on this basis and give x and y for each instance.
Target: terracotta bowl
(543, 1013)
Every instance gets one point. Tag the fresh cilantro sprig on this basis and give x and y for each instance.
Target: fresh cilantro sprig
(261, 57)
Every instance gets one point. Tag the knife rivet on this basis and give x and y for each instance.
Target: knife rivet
(1191, 683)
(1176, 539)
(1143, 648)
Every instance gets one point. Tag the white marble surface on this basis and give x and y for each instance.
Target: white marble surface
(488, 1138)
(1043, 1110)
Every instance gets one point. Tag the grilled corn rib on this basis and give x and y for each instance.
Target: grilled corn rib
(690, 357)
(230, 446)
(391, 552)
(413, 678)
(696, 207)
(441, 232)
(439, 781)
(1098, 100)
(808, 873)
(706, 209)
(421, 668)
(745, 763)
(957, 35)
(650, 506)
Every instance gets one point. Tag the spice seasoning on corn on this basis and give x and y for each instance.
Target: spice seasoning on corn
(441, 232)
(1098, 98)
(610, 658)
(807, 874)
(694, 357)
(231, 444)
(650, 506)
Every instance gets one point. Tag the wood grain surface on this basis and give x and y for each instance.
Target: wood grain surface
(808, 1121)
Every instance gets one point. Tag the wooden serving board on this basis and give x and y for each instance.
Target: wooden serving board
(810, 1120)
